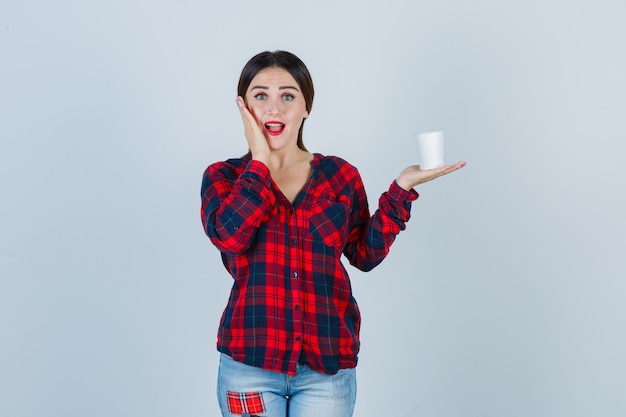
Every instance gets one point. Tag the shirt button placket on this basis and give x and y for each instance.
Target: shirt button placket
(295, 287)
(293, 250)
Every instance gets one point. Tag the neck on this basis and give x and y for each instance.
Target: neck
(284, 158)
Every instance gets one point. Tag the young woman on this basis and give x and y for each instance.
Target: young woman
(282, 217)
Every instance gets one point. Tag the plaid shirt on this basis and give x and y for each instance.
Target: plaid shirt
(291, 298)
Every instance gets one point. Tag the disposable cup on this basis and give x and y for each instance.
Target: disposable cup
(430, 149)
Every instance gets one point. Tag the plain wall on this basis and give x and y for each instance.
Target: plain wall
(504, 296)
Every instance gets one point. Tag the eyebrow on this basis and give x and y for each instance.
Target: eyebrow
(262, 87)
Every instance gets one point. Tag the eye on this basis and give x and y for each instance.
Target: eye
(260, 96)
(288, 97)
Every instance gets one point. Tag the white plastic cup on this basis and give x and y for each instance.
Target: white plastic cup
(430, 149)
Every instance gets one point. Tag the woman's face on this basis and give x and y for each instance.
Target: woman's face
(275, 100)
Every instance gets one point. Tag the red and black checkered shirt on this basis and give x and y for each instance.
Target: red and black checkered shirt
(291, 298)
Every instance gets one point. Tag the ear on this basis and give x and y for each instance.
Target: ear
(306, 114)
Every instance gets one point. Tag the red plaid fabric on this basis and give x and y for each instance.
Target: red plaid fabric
(245, 402)
(291, 298)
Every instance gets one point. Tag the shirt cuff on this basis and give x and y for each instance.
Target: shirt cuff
(259, 169)
(398, 193)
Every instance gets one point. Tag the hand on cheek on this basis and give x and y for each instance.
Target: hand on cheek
(254, 134)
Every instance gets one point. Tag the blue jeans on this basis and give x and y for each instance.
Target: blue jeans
(244, 390)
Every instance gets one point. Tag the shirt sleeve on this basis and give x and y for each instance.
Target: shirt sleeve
(234, 207)
(370, 238)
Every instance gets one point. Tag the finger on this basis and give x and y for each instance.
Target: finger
(247, 117)
(449, 168)
(456, 166)
(444, 170)
(240, 103)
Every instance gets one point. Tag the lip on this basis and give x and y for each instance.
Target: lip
(274, 127)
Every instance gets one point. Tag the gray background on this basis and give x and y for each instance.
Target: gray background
(505, 295)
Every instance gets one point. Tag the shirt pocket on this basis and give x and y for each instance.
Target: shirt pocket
(328, 221)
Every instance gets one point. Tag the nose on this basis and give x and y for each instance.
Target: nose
(273, 106)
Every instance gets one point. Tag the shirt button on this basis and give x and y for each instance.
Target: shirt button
(297, 306)
(298, 338)
(295, 275)
(293, 241)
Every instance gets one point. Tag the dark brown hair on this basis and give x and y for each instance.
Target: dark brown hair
(287, 61)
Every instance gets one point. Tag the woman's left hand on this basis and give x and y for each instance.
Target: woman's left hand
(414, 175)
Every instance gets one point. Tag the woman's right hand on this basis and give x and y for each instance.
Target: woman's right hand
(254, 134)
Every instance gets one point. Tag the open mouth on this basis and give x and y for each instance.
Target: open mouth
(274, 128)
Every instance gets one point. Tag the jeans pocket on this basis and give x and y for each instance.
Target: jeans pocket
(344, 384)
